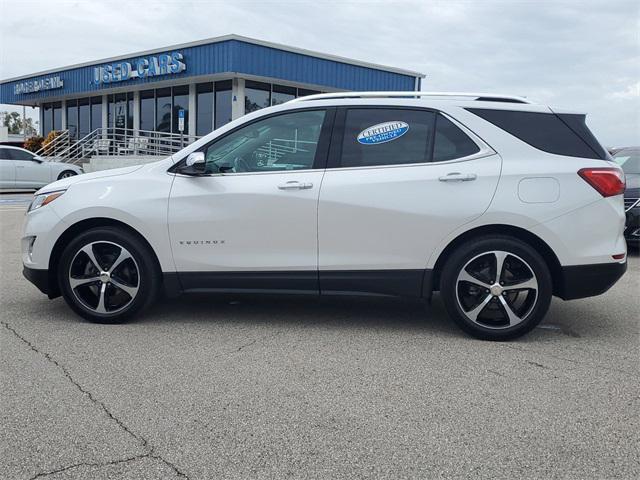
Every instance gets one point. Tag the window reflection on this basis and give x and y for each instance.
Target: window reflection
(256, 96)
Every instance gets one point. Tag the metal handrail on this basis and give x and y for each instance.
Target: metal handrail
(410, 94)
(117, 141)
(59, 143)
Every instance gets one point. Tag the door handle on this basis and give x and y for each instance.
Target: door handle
(19, 166)
(458, 177)
(294, 185)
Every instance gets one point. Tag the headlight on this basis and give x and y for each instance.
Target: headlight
(43, 199)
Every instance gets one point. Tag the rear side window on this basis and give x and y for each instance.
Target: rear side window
(559, 134)
(451, 142)
(387, 136)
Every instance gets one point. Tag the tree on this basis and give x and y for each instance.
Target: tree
(14, 123)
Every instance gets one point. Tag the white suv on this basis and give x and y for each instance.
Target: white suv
(495, 202)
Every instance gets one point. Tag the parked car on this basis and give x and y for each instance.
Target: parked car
(629, 159)
(20, 168)
(496, 202)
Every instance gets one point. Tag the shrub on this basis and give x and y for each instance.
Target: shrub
(33, 144)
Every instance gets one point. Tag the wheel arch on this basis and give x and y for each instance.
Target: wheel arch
(76, 229)
(497, 229)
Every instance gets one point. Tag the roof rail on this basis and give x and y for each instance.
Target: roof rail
(486, 97)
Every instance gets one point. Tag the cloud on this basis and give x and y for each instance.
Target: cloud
(583, 55)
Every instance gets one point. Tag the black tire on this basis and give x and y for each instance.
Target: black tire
(66, 174)
(484, 251)
(141, 271)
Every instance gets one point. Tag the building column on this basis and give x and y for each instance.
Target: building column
(237, 98)
(191, 126)
(136, 112)
(105, 115)
(63, 114)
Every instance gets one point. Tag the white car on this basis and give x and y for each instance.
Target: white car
(496, 202)
(20, 168)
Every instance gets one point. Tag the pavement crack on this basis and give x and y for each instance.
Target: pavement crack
(143, 441)
(246, 345)
(90, 464)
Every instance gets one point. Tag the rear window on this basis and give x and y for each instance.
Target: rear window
(562, 134)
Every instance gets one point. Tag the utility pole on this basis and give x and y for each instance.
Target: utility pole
(24, 123)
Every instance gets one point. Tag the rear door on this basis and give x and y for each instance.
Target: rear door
(7, 169)
(398, 181)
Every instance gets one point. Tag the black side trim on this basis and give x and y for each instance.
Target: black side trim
(40, 278)
(171, 284)
(255, 282)
(400, 283)
(581, 281)
(397, 283)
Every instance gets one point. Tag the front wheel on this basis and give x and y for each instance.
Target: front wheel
(496, 287)
(66, 174)
(107, 275)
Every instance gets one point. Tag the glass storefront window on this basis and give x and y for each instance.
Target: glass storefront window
(257, 95)
(84, 117)
(163, 110)
(303, 92)
(282, 94)
(130, 110)
(47, 118)
(96, 113)
(57, 116)
(147, 110)
(204, 108)
(180, 102)
(72, 118)
(223, 103)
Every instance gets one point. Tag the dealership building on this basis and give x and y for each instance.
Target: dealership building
(189, 89)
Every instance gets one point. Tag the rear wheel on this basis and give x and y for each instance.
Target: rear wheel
(496, 288)
(107, 275)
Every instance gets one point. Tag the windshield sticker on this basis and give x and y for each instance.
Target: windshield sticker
(383, 132)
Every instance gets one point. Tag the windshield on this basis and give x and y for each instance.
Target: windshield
(629, 160)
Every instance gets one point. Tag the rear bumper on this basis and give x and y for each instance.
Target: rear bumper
(581, 281)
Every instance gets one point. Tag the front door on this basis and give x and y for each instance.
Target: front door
(397, 183)
(250, 222)
(30, 172)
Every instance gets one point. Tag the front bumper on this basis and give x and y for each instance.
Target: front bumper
(40, 278)
(632, 227)
(581, 281)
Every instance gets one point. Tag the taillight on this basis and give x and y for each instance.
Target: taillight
(606, 180)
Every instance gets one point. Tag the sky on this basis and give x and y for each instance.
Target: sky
(582, 55)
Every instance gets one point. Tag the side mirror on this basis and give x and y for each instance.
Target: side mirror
(194, 165)
(37, 159)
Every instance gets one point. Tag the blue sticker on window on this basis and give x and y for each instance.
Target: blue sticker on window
(383, 132)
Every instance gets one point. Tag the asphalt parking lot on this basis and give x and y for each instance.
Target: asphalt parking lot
(268, 387)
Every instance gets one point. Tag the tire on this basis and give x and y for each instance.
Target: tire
(480, 305)
(66, 174)
(129, 284)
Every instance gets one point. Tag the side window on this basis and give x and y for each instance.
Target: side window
(386, 136)
(4, 155)
(19, 154)
(283, 142)
(559, 134)
(451, 142)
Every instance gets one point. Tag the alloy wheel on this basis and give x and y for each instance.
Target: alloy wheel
(496, 289)
(104, 277)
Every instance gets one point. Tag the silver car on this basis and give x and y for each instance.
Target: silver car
(20, 168)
